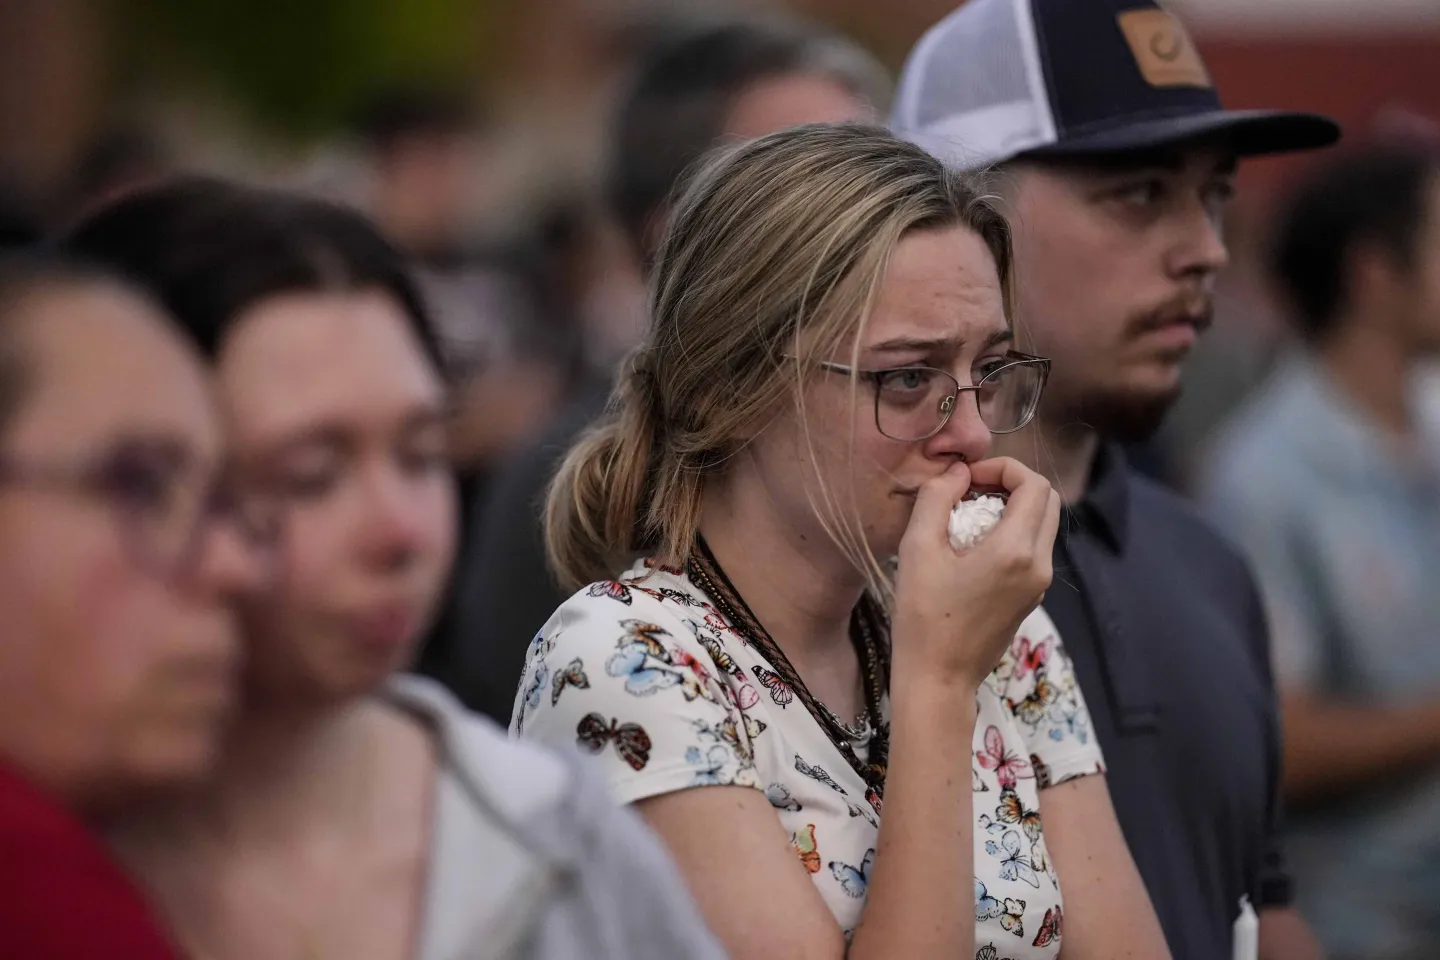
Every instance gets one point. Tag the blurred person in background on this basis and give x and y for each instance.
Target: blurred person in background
(1332, 485)
(1117, 159)
(826, 362)
(732, 80)
(119, 563)
(356, 813)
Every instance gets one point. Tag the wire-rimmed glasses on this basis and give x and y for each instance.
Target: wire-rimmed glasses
(915, 402)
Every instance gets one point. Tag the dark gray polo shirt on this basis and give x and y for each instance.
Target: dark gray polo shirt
(1169, 641)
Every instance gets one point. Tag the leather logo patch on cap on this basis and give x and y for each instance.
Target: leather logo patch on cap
(1162, 49)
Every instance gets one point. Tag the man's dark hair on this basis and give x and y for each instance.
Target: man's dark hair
(1375, 196)
(208, 249)
(680, 96)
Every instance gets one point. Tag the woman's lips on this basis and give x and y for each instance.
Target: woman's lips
(383, 629)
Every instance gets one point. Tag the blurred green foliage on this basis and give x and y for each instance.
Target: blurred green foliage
(300, 67)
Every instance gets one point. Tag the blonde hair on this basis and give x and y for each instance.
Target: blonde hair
(771, 261)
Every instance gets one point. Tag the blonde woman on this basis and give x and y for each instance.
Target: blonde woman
(843, 764)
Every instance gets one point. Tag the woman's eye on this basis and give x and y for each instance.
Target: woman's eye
(987, 367)
(909, 379)
(139, 484)
(426, 451)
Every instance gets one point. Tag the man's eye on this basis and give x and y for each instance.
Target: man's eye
(1141, 194)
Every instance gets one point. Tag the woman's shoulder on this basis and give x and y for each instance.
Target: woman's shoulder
(513, 778)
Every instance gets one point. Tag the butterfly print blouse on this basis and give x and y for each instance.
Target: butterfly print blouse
(645, 674)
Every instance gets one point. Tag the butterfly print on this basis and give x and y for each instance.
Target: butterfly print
(542, 646)
(818, 773)
(977, 785)
(1013, 866)
(991, 827)
(779, 796)
(1041, 770)
(874, 799)
(1030, 659)
(803, 843)
(613, 589)
(648, 634)
(988, 952)
(536, 687)
(854, 880)
(711, 763)
(858, 811)
(572, 676)
(1010, 913)
(630, 739)
(1042, 863)
(643, 660)
(780, 691)
(1031, 710)
(1008, 767)
(1012, 811)
(717, 653)
(680, 597)
(1050, 927)
(652, 564)
(729, 732)
(1067, 715)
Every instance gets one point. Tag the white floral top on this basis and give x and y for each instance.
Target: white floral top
(647, 674)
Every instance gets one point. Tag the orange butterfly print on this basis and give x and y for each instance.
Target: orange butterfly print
(803, 843)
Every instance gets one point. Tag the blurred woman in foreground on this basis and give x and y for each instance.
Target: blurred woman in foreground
(829, 353)
(120, 555)
(357, 813)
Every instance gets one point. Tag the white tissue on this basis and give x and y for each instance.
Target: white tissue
(972, 519)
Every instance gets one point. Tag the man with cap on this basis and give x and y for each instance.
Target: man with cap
(1117, 159)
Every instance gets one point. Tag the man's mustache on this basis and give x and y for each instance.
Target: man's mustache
(1198, 310)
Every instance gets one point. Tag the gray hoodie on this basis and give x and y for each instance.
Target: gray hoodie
(532, 860)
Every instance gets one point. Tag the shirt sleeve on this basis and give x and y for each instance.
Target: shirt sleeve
(623, 677)
(1040, 690)
(643, 907)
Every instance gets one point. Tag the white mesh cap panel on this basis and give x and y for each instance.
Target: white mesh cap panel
(972, 91)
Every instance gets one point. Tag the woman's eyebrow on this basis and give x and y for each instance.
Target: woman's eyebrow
(935, 344)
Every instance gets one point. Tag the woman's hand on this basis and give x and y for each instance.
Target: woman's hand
(955, 613)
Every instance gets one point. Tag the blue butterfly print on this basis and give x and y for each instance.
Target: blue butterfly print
(711, 762)
(1068, 712)
(536, 687)
(854, 881)
(1011, 913)
(632, 661)
(1013, 866)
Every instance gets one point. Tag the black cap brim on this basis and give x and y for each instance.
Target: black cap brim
(1248, 133)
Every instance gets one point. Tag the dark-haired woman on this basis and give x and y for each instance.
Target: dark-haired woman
(357, 813)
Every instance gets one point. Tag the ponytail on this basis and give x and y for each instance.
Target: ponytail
(596, 519)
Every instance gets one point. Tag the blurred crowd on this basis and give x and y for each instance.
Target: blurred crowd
(1308, 433)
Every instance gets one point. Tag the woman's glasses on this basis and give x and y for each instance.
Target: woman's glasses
(915, 403)
(164, 506)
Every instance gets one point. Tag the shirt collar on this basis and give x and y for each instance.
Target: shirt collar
(1105, 507)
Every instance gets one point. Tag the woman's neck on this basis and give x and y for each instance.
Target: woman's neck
(795, 581)
(285, 770)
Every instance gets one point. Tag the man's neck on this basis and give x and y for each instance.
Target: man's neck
(1373, 371)
(1062, 452)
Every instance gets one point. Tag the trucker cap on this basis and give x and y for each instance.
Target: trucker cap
(1000, 78)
